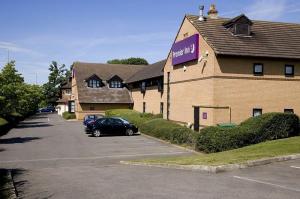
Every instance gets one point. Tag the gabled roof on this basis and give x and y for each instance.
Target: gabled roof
(94, 76)
(115, 77)
(105, 72)
(241, 17)
(148, 72)
(268, 39)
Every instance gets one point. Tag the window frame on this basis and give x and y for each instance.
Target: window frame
(115, 84)
(258, 73)
(293, 70)
(289, 110)
(257, 109)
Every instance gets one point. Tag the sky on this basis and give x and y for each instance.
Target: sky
(36, 32)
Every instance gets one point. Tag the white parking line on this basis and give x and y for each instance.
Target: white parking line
(93, 158)
(295, 167)
(267, 183)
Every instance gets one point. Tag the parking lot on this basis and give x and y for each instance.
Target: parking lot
(53, 158)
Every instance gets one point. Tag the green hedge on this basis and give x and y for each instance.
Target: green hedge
(169, 131)
(269, 126)
(66, 115)
(155, 126)
(4, 126)
(132, 116)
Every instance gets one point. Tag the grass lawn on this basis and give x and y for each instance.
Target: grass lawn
(4, 193)
(267, 149)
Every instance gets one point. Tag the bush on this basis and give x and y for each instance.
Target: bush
(132, 116)
(66, 115)
(155, 126)
(4, 126)
(254, 130)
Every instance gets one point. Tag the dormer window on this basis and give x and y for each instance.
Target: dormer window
(239, 26)
(115, 82)
(94, 82)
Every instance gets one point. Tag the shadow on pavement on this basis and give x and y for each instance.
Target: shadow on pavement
(28, 125)
(18, 140)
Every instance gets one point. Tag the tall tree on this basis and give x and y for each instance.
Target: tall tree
(130, 61)
(10, 88)
(56, 77)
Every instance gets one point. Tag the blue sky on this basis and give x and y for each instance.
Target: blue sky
(39, 31)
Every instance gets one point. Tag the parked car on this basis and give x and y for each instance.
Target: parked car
(113, 125)
(49, 109)
(89, 121)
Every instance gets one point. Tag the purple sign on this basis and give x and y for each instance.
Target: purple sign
(185, 50)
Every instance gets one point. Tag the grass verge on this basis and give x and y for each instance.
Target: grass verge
(267, 149)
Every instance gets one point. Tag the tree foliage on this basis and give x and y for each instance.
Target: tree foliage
(130, 61)
(58, 75)
(15, 95)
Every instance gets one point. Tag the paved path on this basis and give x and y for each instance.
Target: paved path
(52, 158)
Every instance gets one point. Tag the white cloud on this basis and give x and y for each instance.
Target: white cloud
(12, 47)
(267, 9)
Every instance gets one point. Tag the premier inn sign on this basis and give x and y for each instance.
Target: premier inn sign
(185, 50)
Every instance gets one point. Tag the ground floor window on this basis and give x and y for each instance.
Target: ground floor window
(71, 106)
(288, 110)
(161, 108)
(92, 108)
(144, 107)
(257, 112)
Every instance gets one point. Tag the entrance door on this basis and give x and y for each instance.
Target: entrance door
(196, 118)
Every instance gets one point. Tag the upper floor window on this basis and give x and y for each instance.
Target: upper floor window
(68, 91)
(93, 83)
(257, 112)
(115, 84)
(258, 69)
(289, 70)
(143, 87)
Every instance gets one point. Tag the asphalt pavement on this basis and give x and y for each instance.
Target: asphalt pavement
(54, 158)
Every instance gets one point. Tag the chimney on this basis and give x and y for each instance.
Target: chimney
(212, 13)
(201, 14)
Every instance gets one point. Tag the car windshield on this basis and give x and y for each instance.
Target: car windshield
(124, 121)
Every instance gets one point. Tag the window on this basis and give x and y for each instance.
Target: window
(160, 85)
(257, 112)
(289, 70)
(144, 107)
(68, 91)
(115, 84)
(92, 108)
(288, 110)
(242, 29)
(143, 87)
(258, 69)
(161, 108)
(71, 107)
(93, 83)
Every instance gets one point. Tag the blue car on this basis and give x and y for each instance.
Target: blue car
(89, 120)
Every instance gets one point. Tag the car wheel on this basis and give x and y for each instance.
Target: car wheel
(129, 132)
(97, 133)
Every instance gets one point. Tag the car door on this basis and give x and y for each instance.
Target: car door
(118, 126)
(107, 126)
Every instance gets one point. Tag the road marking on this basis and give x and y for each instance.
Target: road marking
(266, 183)
(94, 158)
(295, 167)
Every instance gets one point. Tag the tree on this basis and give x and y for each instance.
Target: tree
(58, 75)
(130, 61)
(10, 89)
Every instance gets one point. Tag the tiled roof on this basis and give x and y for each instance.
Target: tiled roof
(148, 72)
(105, 72)
(268, 39)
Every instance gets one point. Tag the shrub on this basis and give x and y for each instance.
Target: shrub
(68, 116)
(254, 130)
(4, 126)
(132, 116)
(155, 126)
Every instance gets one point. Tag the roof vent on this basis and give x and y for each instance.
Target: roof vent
(212, 13)
(201, 13)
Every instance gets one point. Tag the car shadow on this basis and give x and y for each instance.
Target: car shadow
(18, 140)
(114, 135)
